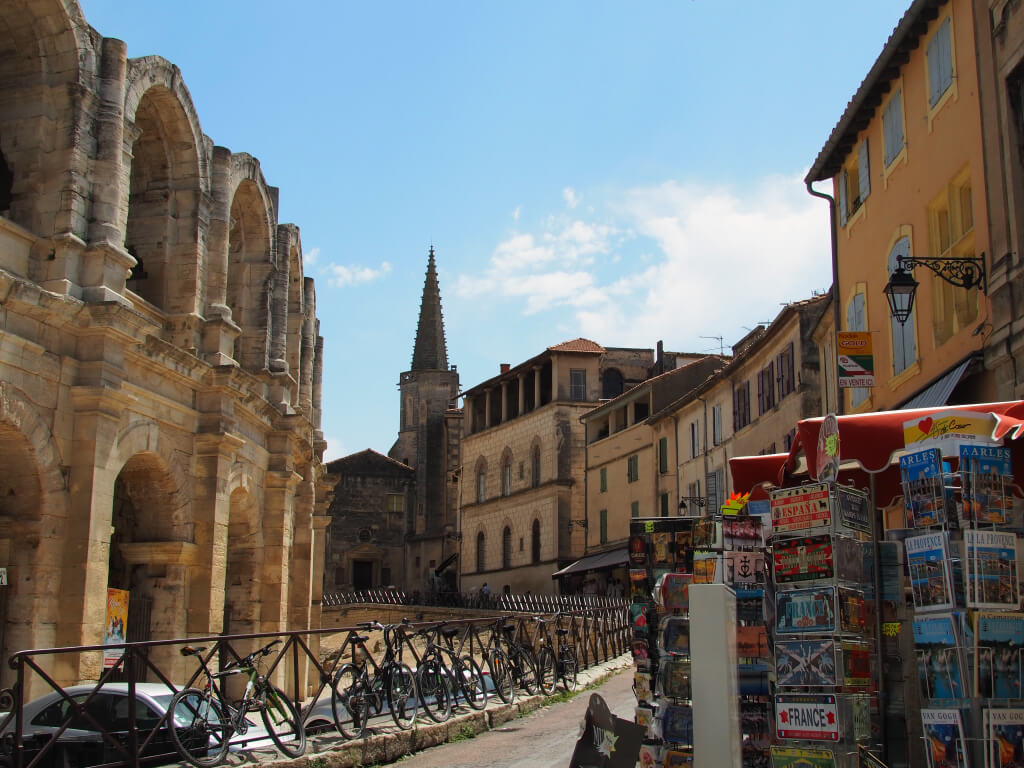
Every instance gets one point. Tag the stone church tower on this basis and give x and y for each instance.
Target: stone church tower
(429, 435)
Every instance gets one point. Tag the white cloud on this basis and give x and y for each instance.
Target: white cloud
(672, 261)
(309, 257)
(516, 212)
(571, 198)
(335, 448)
(341, 275)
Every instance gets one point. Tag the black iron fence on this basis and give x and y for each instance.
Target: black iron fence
(474, 600)
(131, 733)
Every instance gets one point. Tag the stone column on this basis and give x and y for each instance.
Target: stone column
(308, 345)
(105, 263)
(536, 387)
(278, 526)
(487, 408)
(467, 414)
(521, 379)
(504, 402)
(554, 379)
(318, 378)
(300, 567)
(220, 331)
(287, 238)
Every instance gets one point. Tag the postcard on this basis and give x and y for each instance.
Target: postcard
(675, 592)
(752, 642)
(856, 665)
(923, 494)
(675, 681)
(939, 660)
(677, 724)
(986, 480)
(800, 663)
(803, 559)
(684, 550)
(943, 738)
(1004, 730)
(999, 638)
(853, 610)
(661, 547)
(676, 636)
(990, 569)
(806, 611)
(744, 567)
(929, 566)
(799, 509)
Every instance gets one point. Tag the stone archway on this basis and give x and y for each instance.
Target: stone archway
(250, 273)
(150, 554)
(242, 603)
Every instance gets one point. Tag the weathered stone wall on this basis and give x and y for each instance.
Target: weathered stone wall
(159, 358)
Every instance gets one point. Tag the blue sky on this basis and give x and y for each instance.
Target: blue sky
(627, 172)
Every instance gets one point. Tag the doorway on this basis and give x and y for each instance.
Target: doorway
(362, 574)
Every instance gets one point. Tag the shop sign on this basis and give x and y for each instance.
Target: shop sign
(810, 716)
(796, 509)
(856, 361)
(948, 430)
(803, 559)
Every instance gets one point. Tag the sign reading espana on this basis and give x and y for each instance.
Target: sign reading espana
(794, 509)
(810, 716)
(948, 430)
(856, 361)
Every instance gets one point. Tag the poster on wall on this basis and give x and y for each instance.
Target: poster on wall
(797, 509)
(803, 559)
(943, 738)
(806, 611)
(991, 569)
(800, 663)
(809, 716)
(929, 567)
(116, 626)
(999, 639)
(856, 360)
(987, 479)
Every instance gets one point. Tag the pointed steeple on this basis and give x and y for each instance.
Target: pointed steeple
(430, 352)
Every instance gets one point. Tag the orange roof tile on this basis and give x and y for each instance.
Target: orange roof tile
(577, 345)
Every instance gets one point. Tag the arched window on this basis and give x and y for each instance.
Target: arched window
(611, 383)
(481, 482)
(535, 462)
(904, 351)
(480, 561)
(506, 474)
(535, 542)
(506, 548)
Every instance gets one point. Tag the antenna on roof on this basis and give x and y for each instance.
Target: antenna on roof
(721, 345)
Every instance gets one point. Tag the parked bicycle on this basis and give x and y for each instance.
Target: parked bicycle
(443, 674)
(362, 685)
(202, 721)
(552, 666)
(512, 664)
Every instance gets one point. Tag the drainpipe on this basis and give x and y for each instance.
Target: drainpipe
(835, 282)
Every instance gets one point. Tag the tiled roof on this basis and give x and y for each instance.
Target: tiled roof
(873, 88)
(577, 345)
(363, 459)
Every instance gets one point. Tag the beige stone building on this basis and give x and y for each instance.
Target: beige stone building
(750, 407)
(630, 473)
(523, 452)
(160, 358)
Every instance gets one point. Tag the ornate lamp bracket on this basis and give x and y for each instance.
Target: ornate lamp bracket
(965, 272)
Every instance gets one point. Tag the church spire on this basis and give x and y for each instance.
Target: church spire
(430, 352)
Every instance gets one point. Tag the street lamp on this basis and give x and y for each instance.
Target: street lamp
(698, 501)
(963, 272)
(581, 523)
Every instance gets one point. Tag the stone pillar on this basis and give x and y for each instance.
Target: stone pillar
(105, 264)
(287, 238)
(300, 567)
(308, 345)
(487, 408)
(536, 387)
(504, 402)
(219, 331)
(278, 526)
(554, 379)
(467, 414)
(318, 379)
(521, 379)
(211, 512)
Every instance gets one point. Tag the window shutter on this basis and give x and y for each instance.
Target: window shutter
(842, 199)
(892, 126)
(770, 386)
(934, 68)
(946, 47)
(760, 392)
(735, 408)
(858, 303)
(864, 170)
(791, 362)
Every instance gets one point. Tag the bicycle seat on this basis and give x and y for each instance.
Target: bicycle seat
(562, 631)
(360, 638)
(450, 631)
(188, 650)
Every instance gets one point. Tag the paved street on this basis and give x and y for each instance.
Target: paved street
(542, 739)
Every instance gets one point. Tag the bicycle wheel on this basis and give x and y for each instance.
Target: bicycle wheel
(401, 695)
(434, 689)
(546, 671)
(198, 727)
(501, 675)
(472, 683)
(526, 665)
(567, 668)
(283, 723)
(348, 702)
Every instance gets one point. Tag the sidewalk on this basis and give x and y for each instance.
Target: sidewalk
(389, 743)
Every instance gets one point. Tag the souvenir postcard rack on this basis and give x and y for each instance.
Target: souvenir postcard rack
(961, 542)
(667, 555)
(822, 571)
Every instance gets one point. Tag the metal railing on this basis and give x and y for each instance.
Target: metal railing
(598, 632)
(525, 603)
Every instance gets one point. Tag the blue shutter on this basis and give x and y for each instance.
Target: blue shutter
(892, 126)
(842, 199)
(934, 68)
(864, 171)
(947, 55)
(940, 63)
